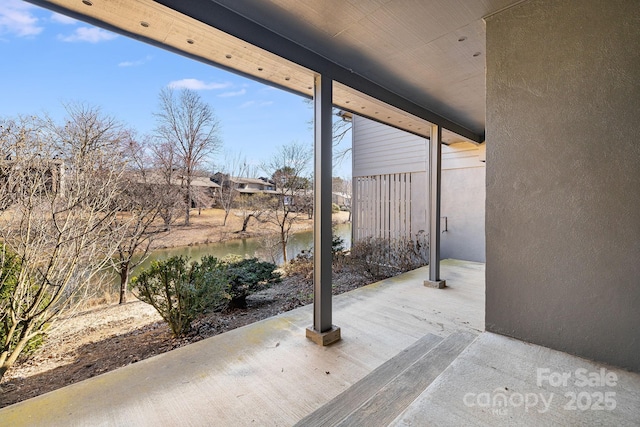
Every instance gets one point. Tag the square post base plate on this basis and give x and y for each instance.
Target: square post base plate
(324, 338)
(438, 284)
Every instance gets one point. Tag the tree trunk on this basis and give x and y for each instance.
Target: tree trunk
(124, 281)
(283, 242)
(245, 223)
(226, 214)
(7, 361)
(188, 211)
(167, 221)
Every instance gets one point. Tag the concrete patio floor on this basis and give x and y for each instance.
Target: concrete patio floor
(500, 381)
(267, 373)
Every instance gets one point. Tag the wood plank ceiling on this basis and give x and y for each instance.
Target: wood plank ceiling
(427, 52)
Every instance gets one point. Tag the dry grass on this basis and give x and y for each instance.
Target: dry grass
(207, 227)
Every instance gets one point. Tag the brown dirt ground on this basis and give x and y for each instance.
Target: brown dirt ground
(111, 336)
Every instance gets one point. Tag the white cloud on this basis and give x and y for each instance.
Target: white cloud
(136, 63)
(230, 94)
(16, 18)
(88, 34)
(256, 104)
(195, 84)
(62, 19)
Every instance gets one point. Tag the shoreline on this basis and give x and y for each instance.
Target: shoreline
(206, 228)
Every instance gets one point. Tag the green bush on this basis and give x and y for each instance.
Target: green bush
(181, 291)
(10, 269)
(247, 276)
(337, 244)
(335, 208)
(212, 289)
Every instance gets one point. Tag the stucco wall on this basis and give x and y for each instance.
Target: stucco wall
(563, 177)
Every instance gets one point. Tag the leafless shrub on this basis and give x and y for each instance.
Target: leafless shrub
(377, 258)
(57, 191)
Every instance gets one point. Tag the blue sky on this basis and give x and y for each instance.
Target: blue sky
(48, 59)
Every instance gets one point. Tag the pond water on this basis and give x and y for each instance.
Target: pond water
(249, 247)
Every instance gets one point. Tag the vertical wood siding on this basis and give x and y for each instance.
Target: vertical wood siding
(383, 206)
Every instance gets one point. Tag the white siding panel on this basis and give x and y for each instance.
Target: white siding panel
(379, 149)
(463, 155)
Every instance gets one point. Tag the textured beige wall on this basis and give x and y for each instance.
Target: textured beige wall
(563, 177)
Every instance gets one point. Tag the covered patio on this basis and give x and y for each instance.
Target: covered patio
(267, 373)
(554, 87)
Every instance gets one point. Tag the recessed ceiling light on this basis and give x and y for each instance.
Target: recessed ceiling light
(228, 56)
(144, 24)
(463, 38)
(475, 55)
(87, 2)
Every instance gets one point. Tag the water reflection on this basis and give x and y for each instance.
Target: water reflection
(250, 247)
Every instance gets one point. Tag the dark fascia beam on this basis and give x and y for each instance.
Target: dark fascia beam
(220, 17)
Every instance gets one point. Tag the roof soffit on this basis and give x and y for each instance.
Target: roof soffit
(420, 63)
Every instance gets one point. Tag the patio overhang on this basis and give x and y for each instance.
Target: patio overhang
(379, 75)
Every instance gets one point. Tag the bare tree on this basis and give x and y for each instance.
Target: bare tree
(166, 167)
(141, 201)
(341, 127)
(190, 124)
(345, 187)
(234, 166)
(252, 206)
(289, 169)
(58, 190)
